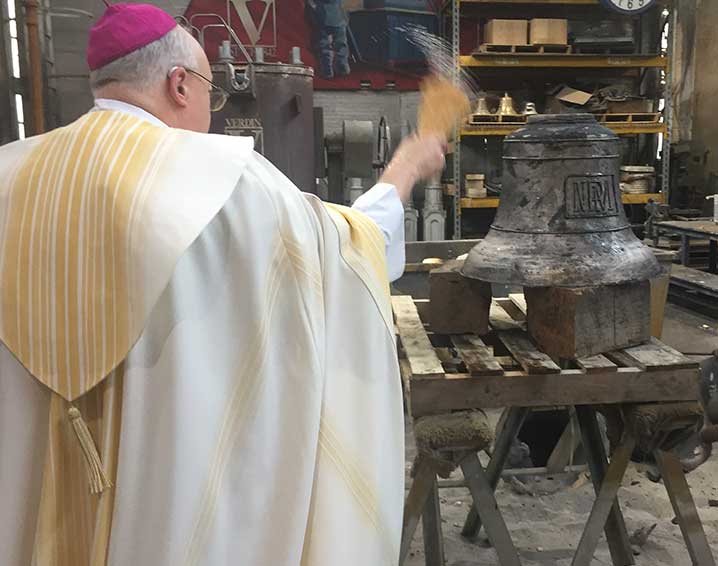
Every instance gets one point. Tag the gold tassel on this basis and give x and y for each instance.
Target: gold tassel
(99, 481)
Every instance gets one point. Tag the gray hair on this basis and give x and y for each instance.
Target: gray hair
(150, 64)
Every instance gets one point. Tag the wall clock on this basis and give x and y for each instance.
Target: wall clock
(629, 6)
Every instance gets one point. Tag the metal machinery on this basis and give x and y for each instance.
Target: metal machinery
(356, 157)
(433, 213)
(560, 222)
(272, 102)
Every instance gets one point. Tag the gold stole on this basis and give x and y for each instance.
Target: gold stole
(68, 307)
(68, 311)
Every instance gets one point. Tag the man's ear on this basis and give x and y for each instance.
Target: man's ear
(177, 87)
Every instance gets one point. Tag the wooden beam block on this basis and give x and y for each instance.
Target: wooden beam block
(459, 305)
(478, 358)
(526, 354)
(627, 385)
(420, 354)
(422, 307)
(571, 323)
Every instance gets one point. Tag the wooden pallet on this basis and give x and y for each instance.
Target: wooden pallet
(504, 369)
(484, 119)
(630, 118)
(545, 48)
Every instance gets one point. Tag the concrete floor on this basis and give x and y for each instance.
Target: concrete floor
(689, 332)
(546, 526)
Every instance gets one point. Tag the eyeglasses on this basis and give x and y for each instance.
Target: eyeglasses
(217, 95)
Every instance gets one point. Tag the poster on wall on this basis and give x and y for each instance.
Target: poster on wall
(350, 44)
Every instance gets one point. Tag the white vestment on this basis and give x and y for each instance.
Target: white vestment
(227, 339)
(381, 203)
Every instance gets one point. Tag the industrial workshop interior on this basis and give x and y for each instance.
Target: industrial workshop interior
(358, 282)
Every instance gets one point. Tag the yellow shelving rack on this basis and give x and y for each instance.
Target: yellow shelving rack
(514, 60)
(493, 202)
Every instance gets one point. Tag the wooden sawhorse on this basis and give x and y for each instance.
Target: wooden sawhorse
(504, 369)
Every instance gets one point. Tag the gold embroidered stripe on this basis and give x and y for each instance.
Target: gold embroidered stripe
(240, 408)
(365, 238)
(356, 482)
(74, 206)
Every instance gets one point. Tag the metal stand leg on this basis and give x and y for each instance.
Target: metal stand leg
(684, 507)
(424, 480)
(598, 462)
(483, 494)
(604, 503)
(712, 256)
(431, 524)
(514, 420)
(685, 250)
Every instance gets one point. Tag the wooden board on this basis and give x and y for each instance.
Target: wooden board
(595, 364)
(629, 117)
(623, 360)
(419, 267)
(507, 362)
(657, 356)
(519, 299)
(483, 119)
(479, 358)
(526, 354)
(405, 373)
(531, 48)
(627, 385)
(513, 311)
(500, 319)
(419, 352)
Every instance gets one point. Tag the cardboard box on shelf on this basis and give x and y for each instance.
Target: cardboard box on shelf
(573, 96)
(563, 99)
(548, 31)
(556, 106)
(506, 32)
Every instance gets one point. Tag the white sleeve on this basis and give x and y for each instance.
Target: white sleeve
(382, 204)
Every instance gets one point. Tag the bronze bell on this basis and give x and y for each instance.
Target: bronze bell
(482, 107)
(561, 222)
(506, 106)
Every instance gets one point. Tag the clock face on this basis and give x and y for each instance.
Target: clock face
(629, 6)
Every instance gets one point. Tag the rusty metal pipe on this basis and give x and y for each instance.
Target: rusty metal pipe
(35, 60)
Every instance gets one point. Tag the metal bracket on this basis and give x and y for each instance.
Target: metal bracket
(237, 81)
